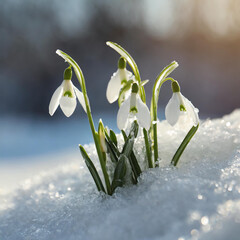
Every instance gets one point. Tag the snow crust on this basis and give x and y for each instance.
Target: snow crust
(200, 199)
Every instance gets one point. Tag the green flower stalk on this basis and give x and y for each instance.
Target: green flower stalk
(81, 80)
(162, 77)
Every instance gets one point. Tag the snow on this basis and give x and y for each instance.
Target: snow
(200, 199)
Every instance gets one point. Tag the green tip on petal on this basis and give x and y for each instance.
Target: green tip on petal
(182, 108)
(67, 73)
(134, 88)
(134, 110)
(175, 86)
(68, 94)
(122, 63)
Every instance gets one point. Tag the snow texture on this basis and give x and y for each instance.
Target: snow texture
(200, 199)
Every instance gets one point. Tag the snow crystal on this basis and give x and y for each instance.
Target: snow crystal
(200, 199)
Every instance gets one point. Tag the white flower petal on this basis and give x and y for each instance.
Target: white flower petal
(143, 114)
(80, 98)
(115, 84)
(68, 105)
(114, 87)
(122, 115)
(191, 111)
(54, 102)
(172, 110)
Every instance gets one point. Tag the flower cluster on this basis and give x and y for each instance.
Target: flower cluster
(133, 114)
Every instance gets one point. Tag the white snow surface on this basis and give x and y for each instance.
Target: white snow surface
(200, 199)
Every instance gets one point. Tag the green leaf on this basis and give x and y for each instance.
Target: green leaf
(124, 135)
(183, 145)
(113, 137)
(92, 170)
(119, 173)
(128, 150)
(128, 147)
(113, 152)
(135, 166)
(112, 148)
(129, 141)
(134, 129)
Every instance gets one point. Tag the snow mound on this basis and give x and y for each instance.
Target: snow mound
(200, 199)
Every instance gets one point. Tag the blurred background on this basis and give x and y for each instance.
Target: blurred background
(202, 36)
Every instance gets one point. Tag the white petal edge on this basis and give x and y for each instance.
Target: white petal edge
(143, 114)
(54, 102)
(122, 115)
(113, 88)
(68, 105)
(191, 111)
(172, 110)
(80, 98)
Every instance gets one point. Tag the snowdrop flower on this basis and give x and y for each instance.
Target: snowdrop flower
(121, 76)
(65, 96)
(133, 105)
(177, 104)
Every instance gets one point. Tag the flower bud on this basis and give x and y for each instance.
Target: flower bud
(101, 134)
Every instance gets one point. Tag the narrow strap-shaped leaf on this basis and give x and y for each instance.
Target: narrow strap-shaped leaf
(111, 144)
(113, 155)
(129, 141)
(113, 137)
(134, 129)
(92, 170)
(128, 150)
(124, 135)
(128, 147)
(135, 166)
(119, 173)
(183, 145)
(148, 148)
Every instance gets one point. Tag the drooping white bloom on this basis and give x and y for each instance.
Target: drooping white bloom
(177, 104)
(65, 96)
(121, 76)
(133, 105)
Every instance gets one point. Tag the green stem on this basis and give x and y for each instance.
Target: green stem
(81, 80)
(183, 145)
(148, 148)
(155, 94)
